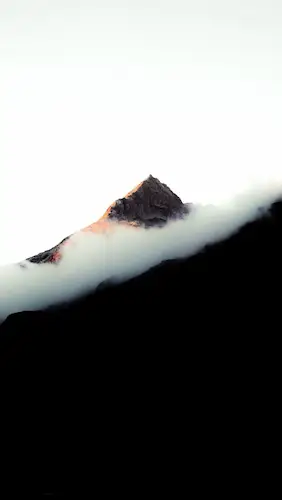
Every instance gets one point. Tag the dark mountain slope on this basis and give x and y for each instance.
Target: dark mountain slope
(131, 386)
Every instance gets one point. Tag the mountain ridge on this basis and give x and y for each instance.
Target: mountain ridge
(151, 203)
(105, 390)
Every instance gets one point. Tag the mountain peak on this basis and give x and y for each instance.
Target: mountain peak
(150, 204)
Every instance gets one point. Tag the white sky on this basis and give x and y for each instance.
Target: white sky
(96, 95)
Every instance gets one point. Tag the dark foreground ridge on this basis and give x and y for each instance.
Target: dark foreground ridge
(110, 390)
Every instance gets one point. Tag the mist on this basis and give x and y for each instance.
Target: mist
(121, 253)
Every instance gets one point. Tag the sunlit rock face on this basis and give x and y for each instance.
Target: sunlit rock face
(152, 203)
(114, 364)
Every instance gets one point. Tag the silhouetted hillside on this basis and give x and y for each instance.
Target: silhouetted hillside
(115, 388)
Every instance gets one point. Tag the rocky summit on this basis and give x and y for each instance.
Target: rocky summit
(149, 204)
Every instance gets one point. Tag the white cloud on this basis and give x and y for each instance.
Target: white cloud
(124, 252)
